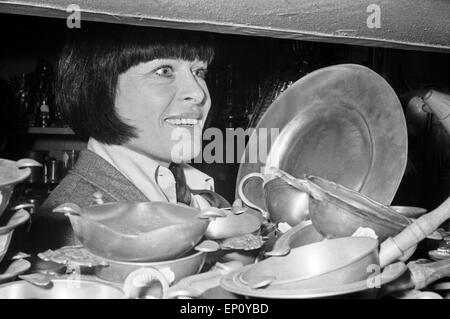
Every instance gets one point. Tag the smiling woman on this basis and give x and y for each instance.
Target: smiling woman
(140, 98)
(96, 65)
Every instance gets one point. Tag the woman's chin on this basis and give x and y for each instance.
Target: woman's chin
(185, 153)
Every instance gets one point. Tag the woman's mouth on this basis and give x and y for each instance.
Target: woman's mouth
(186, 122)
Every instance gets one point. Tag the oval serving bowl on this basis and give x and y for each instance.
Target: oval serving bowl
(337, 211)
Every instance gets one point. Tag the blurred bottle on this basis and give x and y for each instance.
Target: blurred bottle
(44, 94)
(44, 113)
(69, 158)
(51, 170)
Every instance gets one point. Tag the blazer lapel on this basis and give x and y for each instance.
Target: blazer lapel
(98, 172)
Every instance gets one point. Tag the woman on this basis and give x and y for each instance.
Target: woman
(141, 99)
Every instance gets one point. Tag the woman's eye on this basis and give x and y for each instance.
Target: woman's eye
(165, 71)
(201, 73)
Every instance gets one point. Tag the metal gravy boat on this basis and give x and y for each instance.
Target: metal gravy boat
(138, 232)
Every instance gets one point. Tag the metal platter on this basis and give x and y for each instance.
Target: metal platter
(343, 123)
(233, 283)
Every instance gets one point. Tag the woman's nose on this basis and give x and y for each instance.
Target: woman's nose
(192, 91)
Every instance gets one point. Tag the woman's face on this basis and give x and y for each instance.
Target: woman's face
(167, 101)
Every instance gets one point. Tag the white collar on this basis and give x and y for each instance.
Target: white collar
(156, 182)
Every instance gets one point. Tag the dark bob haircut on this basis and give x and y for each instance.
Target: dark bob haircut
(91, 62)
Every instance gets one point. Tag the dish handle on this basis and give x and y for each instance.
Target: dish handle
(68, 209)
(245, 198)
(146, 283)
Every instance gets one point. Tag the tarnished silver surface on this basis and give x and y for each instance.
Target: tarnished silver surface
(343, 123)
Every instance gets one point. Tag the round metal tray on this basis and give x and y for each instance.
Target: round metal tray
(343, 123)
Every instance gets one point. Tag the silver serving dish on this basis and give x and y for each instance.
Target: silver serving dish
(337, 211)
(318, 265)
(138, 232)
(344, 123)
(359, 289)
(338, 267)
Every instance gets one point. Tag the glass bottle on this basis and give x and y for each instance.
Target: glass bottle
(44, 93)
(44, 113)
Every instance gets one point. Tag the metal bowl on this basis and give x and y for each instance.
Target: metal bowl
(355, 290)
(174, 270)
(12, 173)
(337, 211)
(61, 289)
(137, 232)
(323, 264)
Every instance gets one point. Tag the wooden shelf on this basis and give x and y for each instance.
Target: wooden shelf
(51, 130)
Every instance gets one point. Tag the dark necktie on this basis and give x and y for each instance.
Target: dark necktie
(183, 191)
